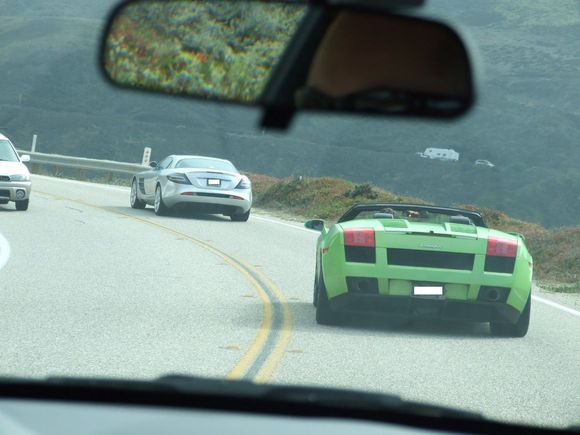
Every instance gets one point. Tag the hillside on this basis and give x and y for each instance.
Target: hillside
(527, 122)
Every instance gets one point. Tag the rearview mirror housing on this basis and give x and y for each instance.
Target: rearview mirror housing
(315, 224)
(153, 164)
(291, 56)
(25, 158)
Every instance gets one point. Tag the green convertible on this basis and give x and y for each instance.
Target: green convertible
(416, 260)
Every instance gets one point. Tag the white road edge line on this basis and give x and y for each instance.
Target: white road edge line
(555, 305)
(4, 251)
(296, 227)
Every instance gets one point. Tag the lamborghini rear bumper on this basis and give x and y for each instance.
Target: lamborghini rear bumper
(427, 307)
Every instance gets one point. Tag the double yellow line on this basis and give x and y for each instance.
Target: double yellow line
(268, 292)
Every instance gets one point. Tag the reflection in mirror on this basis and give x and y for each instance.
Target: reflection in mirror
(153, 164)
(212, 49)
(267, 53)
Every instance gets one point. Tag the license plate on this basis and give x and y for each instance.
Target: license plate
(213, 182)
(428, 290)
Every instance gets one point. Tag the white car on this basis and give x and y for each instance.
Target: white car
(484, 163)
(205, 184)
(15, 182)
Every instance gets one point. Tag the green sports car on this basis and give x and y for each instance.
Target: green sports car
(416, 260)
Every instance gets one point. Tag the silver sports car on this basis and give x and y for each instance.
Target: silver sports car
(205, 184)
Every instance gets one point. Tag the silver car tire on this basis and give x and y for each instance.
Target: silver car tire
(160, 208)
(134, 198)
(240, 217)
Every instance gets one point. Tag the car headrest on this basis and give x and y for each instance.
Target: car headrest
(383, 216)
(460, 220)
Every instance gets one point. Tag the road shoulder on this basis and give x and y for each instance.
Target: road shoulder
(569, 300)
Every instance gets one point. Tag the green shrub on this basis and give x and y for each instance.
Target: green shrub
(362, 191)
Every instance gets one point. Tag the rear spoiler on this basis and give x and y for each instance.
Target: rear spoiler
(520, 235)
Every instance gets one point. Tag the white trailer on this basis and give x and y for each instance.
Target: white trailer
(440, 154)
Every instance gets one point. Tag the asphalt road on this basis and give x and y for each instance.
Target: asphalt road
(95, 288)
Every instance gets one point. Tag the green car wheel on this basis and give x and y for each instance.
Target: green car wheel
(315, 294)
(324, 315)
(518, 329)
(315, 286)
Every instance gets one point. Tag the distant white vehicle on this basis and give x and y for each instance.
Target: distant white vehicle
(481, 162)
(15, 184)
(440, 154)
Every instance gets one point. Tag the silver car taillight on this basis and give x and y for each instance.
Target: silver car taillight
(178, 178)
(244, 183)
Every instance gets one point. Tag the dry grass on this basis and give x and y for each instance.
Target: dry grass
(324, 197)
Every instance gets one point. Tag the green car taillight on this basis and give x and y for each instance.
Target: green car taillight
(359, 245)
(501, 254)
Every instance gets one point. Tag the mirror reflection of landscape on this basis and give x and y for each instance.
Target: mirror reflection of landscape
(212, 49)
(356, 61)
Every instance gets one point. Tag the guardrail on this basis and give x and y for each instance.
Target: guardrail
(81, 165)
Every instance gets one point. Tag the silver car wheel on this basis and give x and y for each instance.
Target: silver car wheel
(133, 192)
(157, 199)
(134, 197)
(160, 208)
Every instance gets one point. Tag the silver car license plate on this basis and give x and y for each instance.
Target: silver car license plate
(214, 182)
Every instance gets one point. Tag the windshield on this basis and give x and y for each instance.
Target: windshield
(412, 213)
(7, 152)
(109, 268)
(198, 163)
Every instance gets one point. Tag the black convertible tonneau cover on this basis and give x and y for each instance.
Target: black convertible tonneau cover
(356, 209)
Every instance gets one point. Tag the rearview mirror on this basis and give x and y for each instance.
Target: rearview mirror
(153, 165)
(25, 158)
(289, 56)
(315, 224)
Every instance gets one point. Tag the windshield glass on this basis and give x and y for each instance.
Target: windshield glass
(413, 215)
(7, 152)
(110, 268)
(198, 163)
